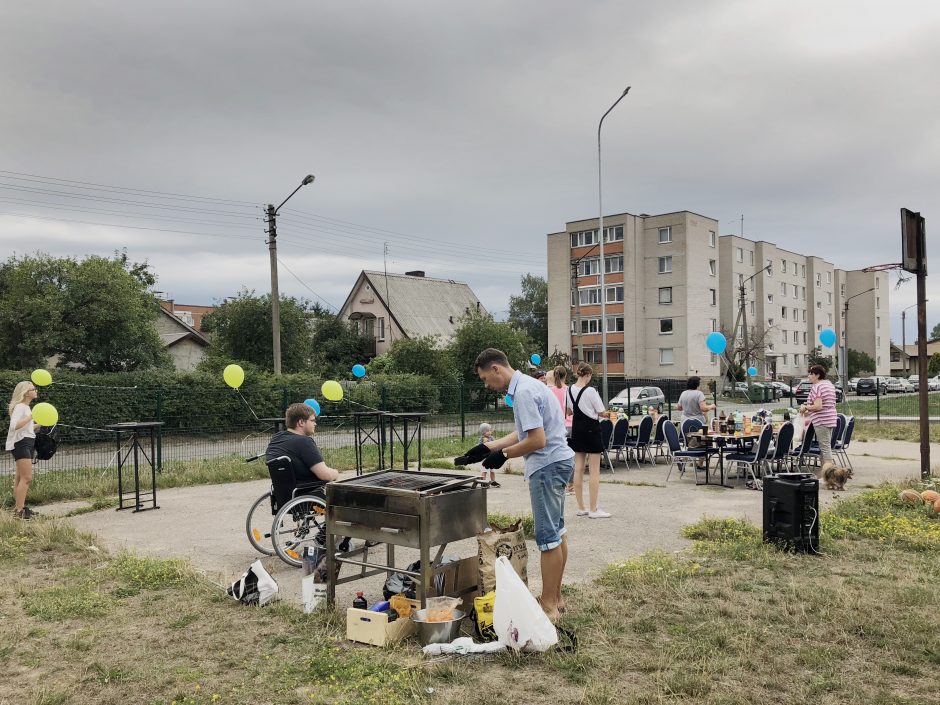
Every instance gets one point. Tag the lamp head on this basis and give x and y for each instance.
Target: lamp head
(308, 179)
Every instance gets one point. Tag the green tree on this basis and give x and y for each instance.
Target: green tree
(817, 359)
(421, 356)
(241, 332)
(479, 331)
(96, 314)
(337, 344)
(933, 365)
(859, 362)
(529, 311)
(935, 332)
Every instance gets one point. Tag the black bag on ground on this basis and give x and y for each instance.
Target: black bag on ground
(401, 584)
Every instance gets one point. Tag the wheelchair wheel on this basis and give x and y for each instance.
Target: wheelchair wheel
(300, 523)
(258, 525)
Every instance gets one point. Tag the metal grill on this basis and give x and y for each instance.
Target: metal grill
(391, 479)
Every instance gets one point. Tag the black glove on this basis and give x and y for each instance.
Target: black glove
(474, 455)
(494, 460)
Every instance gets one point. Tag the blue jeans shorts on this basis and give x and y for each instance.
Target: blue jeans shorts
(547, 494)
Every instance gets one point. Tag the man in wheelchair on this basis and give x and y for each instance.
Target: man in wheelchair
(297, 443)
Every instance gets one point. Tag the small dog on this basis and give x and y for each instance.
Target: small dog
(835, 477)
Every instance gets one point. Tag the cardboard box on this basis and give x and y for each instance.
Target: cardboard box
(461, 579)
(374, 628)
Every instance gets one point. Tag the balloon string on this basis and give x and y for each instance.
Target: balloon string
(370, 408)
(90, 386)
(239, 393)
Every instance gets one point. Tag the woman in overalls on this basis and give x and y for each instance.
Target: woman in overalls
(584, 404)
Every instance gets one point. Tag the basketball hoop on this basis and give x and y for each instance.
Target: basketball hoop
(888, 267)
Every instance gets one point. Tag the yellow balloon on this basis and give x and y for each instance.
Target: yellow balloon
(233, 375)
(45, 414)
(332, 390)
(41, 378)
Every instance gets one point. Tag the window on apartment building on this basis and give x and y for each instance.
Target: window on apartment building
(841, 289)
(619, 356)
(712, 237)
(829, 297)
(614, 294)
(783, 311)
(592, 356)
(665, 294)
(750, 257)
(796, 360)
(583, 237)
(613, 233)
(739, 251)
(783, 359)
(665, 235)
(804, 315)
(803, 293)
(752, 284)
(770, 298)
(795, 270)
(590, 325)
(829, 277)
(785, 334)
(818, 327)
(740, 279)
(666, 356)
(613, 264)
(586, 297)
(829, 318)
(783, 266)
(665, 326)
(796, 337)
(796, 291)
(769, 267)
(818, 279)
(752, 307)
(713, 359)
(615, 324)
(770, 322)
(712, 267)
(714, 323)
(803, 271)
(804, 337)
(878, 321)
(713, 294)
(783, 289)
(819, 304)
(665, 264)
(770, 346)
(876, 281)
(588, 267)
(877, 302)
(878, 341)
(381, 327)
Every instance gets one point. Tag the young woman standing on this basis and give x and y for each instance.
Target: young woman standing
(20, 441)
(586, 407)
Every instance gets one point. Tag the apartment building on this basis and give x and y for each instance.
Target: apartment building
(661, 293)
(671, 279)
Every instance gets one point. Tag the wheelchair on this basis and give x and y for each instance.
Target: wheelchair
(299, 512)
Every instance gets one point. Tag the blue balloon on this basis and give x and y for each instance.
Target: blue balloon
(508, 400)
(313, 404)
(752, 371)
(359, 371)
(827, 337)
(716, 343)
(536, 359)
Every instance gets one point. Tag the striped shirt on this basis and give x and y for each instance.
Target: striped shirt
(824, 390)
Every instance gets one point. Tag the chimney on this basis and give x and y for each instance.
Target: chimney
(415, 273)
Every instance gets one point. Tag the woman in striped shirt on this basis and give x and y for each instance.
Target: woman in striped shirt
(820, 410)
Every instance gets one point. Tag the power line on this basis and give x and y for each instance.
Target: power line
(132, 227)
(303, 284)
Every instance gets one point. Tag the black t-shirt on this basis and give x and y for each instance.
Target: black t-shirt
(302, 451)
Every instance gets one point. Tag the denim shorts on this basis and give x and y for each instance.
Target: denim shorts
(547, 493)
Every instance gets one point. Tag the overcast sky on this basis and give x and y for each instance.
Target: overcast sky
(459, 133)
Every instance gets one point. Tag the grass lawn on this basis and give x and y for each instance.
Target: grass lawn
(891, 405)
(728, 621)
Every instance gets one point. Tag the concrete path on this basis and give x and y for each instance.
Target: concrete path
(207, 524)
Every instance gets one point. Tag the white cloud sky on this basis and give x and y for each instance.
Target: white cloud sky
(460, 134)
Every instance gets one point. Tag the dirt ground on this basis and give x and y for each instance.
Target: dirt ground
(207, 524)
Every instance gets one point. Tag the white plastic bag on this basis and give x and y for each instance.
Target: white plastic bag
(799, 427)
(518, 618)
(255, 587)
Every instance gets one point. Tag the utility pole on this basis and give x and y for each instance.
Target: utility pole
(741, 319)
(270, 217)
(914, 260)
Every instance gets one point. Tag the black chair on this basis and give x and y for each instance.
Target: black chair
(756, 457)
(677, 455)
(689, 426)
(607, 430)
(839, 447)
(798, 456)
(659, 438)
(619, 439)
(781, 451)
(641, 444)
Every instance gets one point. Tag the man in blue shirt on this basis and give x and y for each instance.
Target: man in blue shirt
(549, 463)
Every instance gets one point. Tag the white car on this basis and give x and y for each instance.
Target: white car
(914, 381)
(933, 384)
(906, 385)
(893, 384)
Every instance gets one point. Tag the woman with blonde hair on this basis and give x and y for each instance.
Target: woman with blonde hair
(21, 438)
(586, 407)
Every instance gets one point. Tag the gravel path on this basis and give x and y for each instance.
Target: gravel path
(206, 524)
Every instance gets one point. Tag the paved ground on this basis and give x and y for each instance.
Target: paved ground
(206, 524)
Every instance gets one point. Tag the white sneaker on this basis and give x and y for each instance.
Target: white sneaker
(583, 512)
(599, 514)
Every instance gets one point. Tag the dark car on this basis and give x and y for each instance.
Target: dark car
(801, 392)
(870, 385)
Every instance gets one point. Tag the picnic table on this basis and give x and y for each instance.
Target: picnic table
(738, 440)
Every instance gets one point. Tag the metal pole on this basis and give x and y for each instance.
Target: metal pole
(904, 364)
(922, 359)
(600, 233)
(275, 294)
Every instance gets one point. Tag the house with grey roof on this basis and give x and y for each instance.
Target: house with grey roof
(388, 307)
(186, 345)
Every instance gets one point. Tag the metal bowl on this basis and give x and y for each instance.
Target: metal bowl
(437, 632)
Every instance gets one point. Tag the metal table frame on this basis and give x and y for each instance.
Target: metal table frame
(404, 437)
(369, 427)
(137, 429)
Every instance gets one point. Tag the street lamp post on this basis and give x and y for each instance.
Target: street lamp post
(904, 361)
(600, 234)
(845, 343)
(271, 218)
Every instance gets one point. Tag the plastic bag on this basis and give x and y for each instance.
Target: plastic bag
(255, 587)
(799, 427)
(441, 609)
(518, 618)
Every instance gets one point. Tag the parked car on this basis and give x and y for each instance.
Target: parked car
(914, 381)
(933, 384)
(853, 384)
(802, 391)
(906, 385)
(893, 385)
(637, 398)
(871, 385)
(783, 388)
